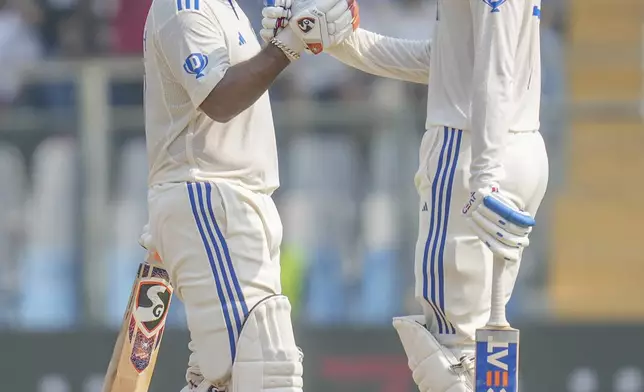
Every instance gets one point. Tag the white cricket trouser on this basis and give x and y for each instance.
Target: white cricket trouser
(453, 268)
(221, 246)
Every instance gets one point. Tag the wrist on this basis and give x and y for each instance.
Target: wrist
(277, 53)
(289, 39)
(484, 179)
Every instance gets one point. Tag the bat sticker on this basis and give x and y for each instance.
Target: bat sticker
(152, 303)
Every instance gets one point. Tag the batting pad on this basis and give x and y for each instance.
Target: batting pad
(434, 367)
(267, 358)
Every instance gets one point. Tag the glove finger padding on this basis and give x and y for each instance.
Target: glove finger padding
(507, 226)
(496, 247)
(271, 27)
(498, 222)
(278, 3)
(275, 13)
(272, 24)
(342, 22)
(499, 233)
(343, 17)
(327, 5)
(507, 210)
(267, 34)
(338, 10)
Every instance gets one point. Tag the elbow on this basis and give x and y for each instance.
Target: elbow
(218, 112)
(220, 116)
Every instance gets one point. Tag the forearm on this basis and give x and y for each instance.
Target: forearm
(493, 81)
(244, 83)
(394, 58)
(490, 131)
(490, 115)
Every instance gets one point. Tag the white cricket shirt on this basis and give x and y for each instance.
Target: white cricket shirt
(485, 76)
(188, 46)
(482, 66)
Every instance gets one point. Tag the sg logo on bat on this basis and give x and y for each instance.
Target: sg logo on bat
(496, 370)
(152, 304)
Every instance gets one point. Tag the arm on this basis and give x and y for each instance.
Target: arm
(195, 48)
(496, 36)
(244, 83)
(388, 57)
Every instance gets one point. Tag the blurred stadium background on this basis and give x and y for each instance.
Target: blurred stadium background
(73, 195)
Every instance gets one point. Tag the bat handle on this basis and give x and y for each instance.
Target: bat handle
(497, 311)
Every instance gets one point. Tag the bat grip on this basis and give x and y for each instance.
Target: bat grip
(497, 311)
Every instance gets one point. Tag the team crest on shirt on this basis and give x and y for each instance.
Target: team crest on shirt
(495, 4)
(196, 64)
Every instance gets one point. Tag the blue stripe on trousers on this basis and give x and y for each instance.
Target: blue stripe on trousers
(211, 259)
(430, 236)
(438, 228)
(441, 263)
(222, 240)
(441, 226)
(220, 260)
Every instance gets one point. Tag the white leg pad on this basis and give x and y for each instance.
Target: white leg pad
(267, 358)
(434, 367)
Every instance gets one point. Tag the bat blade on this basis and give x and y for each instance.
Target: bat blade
(497, 359)
(137, 345)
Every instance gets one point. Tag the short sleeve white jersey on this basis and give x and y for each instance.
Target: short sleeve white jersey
(485, 75)
(188, 46)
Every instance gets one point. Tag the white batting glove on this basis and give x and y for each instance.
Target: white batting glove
(146, 242)
(276, 15)
(319, 24)
(499, 223)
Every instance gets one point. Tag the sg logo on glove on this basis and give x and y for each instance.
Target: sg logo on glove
(319, 24)
(306, 24)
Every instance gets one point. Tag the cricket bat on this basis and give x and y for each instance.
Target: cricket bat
(497, 344)
(137, 345)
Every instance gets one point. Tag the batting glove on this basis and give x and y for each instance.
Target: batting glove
(276, 15)
(499, 223)
(319, 24)
(146, 242)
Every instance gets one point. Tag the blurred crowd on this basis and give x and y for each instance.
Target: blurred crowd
(34, 30)
(338, 265)
(31, 30)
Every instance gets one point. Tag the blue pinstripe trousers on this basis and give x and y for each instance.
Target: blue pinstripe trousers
(453, 268)
(220, 244)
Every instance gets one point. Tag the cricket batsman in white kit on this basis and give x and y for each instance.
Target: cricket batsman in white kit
(213, 167)
(482, 143)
